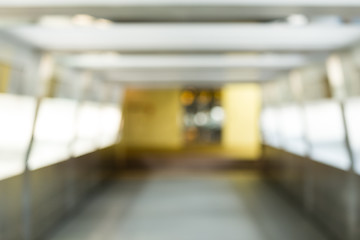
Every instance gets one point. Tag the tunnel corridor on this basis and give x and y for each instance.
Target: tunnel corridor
(180, 120)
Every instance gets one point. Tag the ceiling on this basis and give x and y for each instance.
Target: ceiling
(187, 37)
(184, 41)
(181, 10)
(106, 61)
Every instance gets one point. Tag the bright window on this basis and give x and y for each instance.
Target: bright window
(352, 111)
(269, 126)
(292, 129)
(87, 128)
(54, 132)
(110, 118)
(325, 131)
(16, 120)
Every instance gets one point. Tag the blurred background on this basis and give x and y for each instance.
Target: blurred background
(179, 119)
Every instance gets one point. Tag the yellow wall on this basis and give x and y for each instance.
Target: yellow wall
(153, 119)
(4, 77)
(241, 136)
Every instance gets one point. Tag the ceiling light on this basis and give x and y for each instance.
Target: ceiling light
(335, 71)
(82, 20)
(297, 20)
(102, 23)
(55, 21)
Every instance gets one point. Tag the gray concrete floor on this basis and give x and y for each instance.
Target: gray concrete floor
(161, 206)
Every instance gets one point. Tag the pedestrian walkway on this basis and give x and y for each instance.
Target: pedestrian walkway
(163, 206)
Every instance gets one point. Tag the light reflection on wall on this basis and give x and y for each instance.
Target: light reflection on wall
(16, 119)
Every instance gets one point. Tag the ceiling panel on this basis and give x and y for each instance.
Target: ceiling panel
(180, 10)
(188, 37)
(126, 61)
(183, 76)
(179, 2)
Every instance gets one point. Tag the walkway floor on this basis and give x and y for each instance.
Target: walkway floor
(238, 206)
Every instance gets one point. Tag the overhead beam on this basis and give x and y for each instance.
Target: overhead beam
(178, 10)
(110, 61)
(188, 37)
(205, 75)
